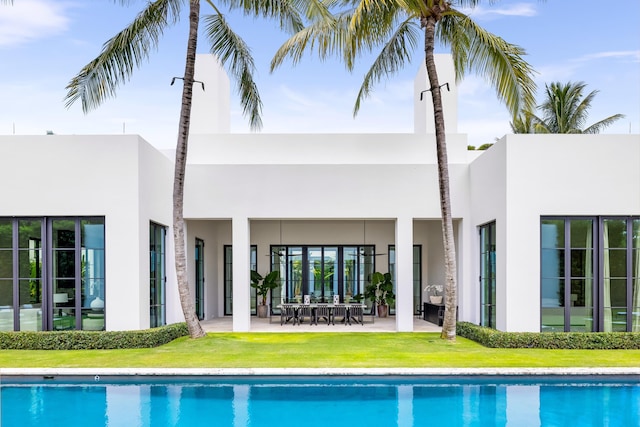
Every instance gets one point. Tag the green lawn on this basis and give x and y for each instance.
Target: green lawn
(319, 350)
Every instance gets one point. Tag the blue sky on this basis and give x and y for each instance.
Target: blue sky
(43, 43)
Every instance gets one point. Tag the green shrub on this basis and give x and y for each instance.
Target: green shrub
(550, 340)
(91, 340)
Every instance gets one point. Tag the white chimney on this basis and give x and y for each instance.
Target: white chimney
(423, 110)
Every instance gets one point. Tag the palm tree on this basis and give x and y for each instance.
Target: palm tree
(126, 51)
(564, 111)
(396, 26)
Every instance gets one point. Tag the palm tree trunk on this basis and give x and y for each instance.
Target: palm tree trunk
(188, 308)
(450, 290)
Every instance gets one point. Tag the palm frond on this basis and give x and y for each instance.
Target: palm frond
(373, 22)
(287, 12)
(499, 62)
(393, 56)
(328, 35)
(525, 122)
(602, 124)
(566, 111)
(234, 53)
(100, 78)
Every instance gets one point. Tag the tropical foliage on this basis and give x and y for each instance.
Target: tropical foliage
(127, 50)
(263, 285)
(564, 110)
(398, 30)
(380, 290)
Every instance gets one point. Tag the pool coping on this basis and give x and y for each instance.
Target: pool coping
(333, 372)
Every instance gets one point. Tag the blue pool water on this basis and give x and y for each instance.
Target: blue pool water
(310, 402)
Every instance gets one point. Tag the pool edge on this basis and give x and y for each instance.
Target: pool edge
(334, 372)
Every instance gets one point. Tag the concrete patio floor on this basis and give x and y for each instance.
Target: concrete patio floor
(224, 324)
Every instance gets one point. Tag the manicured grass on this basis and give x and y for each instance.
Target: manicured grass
(318, 350)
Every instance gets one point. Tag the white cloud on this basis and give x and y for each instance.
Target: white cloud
(29, 20)
(517, 9)
(633, 55)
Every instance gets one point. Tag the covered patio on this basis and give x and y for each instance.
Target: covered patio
(388, 324)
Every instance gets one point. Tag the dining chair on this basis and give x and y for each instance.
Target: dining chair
(356, 313)
(287, 313)
(322, 311)
(304, 311)
(339, 310)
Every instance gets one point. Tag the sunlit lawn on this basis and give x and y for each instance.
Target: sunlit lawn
(318, 350)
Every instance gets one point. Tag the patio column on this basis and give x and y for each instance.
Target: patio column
(404, 274)
(241, 262)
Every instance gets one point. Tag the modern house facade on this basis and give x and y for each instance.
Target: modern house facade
(547, 227)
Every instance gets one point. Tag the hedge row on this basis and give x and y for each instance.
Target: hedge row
(550, 340)
(91, 340)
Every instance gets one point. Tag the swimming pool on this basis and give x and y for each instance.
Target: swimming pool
(313, 401)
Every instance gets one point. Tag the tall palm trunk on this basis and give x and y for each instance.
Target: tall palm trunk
(188, 308)
(450, 290)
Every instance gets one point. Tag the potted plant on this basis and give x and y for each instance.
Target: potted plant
(435, 293)
(262, 286)
(380, 291)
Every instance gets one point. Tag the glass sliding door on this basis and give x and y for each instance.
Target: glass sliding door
(315, 276)
(6, 275)
(635, 275)
(199, 261)
(581, 294)
(590, 274)
(330, 270)
(320, 272)
(228, 280)
(30, 278)
(366, 268)
(567, 274)
(552, 266)
(614, 272)
(322, 280)
(620, 274)
(488, 275)
(350, 271)
(295, 274)
(65, 270)
(93, 274)
(52, 273)
(279, 263)
(157, 275)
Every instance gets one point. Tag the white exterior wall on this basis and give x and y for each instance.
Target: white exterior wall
(94, 176)
(488, 204)
(155, 188)
(524, 177)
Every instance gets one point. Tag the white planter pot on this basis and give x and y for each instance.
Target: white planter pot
(436, 299)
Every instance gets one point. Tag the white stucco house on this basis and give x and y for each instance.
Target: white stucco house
(547, 226)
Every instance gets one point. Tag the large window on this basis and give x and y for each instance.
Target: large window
(589, 274)
(157, 275)
(52, 274)
(488, 275)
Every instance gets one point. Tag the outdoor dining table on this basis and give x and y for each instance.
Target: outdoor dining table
(296, 307)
